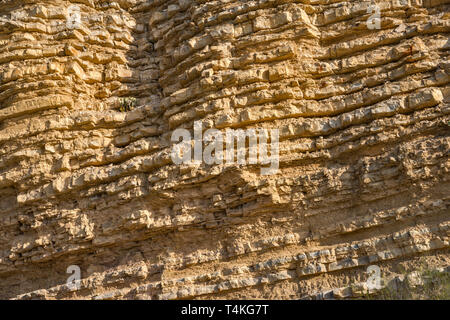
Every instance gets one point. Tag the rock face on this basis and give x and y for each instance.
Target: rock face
(362, 112)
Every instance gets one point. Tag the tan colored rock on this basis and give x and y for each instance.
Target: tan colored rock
(363, 119)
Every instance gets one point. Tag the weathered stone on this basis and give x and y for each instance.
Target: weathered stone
(87, 179)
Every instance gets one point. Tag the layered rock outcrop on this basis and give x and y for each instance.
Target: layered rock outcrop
(363, 116)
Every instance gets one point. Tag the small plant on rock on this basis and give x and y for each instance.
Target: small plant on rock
(127, 104)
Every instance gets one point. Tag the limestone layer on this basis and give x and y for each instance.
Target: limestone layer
(363, 116)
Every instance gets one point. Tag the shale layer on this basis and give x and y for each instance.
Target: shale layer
(363, 116)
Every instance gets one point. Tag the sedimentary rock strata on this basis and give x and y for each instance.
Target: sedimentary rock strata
(363, 117)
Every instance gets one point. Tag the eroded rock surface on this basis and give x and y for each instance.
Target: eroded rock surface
(364, 128)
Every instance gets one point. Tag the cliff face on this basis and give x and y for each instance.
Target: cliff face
(363, 118)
